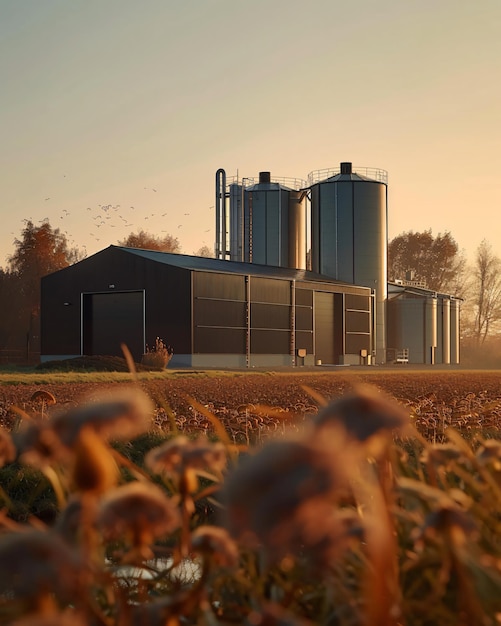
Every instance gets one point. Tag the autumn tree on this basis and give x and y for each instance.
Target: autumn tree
(485, 293)
(10, 310)
(39, 251)
(435, 261)
(147, 241)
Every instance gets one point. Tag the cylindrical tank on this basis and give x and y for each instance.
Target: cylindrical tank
(430, 330)
(455, 312)
(268, 222)
(349, 233)
(446, 331)
(297, 230)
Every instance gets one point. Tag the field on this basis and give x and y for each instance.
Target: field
(467, 400)
(356, 520)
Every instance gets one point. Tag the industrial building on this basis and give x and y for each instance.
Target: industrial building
(299, 278)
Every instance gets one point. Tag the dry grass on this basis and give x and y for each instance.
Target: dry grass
(329, 520)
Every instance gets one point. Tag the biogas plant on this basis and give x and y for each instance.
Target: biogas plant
(299, 278)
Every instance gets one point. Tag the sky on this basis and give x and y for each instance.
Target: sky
(116, 114)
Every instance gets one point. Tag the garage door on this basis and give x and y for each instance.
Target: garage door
(110, 319)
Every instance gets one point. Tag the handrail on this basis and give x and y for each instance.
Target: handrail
(292, 183)
(373, 173)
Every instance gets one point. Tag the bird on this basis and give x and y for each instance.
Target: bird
(180, 225)
(186, 213)
(47, 199)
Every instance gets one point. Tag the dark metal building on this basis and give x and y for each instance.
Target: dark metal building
(213, 313)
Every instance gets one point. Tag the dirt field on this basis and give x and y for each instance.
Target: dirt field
(465, 399)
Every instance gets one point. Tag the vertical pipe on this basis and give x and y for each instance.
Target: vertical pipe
(220, 209)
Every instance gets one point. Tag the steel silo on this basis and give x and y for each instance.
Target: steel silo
(349, 233)
(268, 221)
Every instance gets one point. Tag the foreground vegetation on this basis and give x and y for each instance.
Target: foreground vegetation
(266, 515)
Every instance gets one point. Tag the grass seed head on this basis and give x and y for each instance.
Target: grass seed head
(216, 544)
(268, 495)
(7, 448)
(34, 563)
(180, 454)
(119, 414)
(138, 512)
(364, 413)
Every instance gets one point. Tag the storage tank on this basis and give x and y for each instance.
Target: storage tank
(454, 323)
(430, 330)
(349, 233)
(446, 331)
(268, 221)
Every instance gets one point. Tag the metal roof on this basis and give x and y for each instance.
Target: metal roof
(189, 262)
(395, 290)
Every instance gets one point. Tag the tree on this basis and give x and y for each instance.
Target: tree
(11, 327)
(41, 250)
(146, 241)
(486, 292)
(435, 261)
(205, 251)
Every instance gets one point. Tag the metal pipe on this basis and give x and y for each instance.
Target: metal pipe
(220, 209)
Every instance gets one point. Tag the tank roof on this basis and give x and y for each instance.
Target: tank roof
(357, 174)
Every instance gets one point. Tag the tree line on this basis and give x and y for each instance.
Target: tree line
(417, 257)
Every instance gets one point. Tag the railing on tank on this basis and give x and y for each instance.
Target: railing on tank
(291, 183)
(381, 176)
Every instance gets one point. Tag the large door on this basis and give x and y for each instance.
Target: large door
(110, 319)
(324, 327)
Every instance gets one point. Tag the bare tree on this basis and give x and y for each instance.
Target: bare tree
(486, 292)
(147, 241)
(436, 261)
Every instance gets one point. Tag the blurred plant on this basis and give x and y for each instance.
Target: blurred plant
(355, 519)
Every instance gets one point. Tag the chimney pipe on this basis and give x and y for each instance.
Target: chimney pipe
(346, 168)
(265, 177)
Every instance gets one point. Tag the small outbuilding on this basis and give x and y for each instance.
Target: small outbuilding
(212, 312)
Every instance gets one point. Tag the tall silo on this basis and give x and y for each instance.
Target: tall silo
(349, 233)
(267, 221)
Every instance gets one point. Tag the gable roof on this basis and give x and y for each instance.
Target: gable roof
(189, 262)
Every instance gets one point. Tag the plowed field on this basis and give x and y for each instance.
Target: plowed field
(436, 399)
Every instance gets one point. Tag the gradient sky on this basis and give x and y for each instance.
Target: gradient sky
(105, 101)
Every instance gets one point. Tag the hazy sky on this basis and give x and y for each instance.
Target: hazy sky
(105, 101)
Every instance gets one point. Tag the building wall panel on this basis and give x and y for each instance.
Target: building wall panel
(219, 313)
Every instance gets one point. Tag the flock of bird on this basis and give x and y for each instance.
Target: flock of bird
(104, 217)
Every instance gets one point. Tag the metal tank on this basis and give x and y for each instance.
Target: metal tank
(454, 324)
(267, 220)
(349, 233)
(430, 330)
(446, 331)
